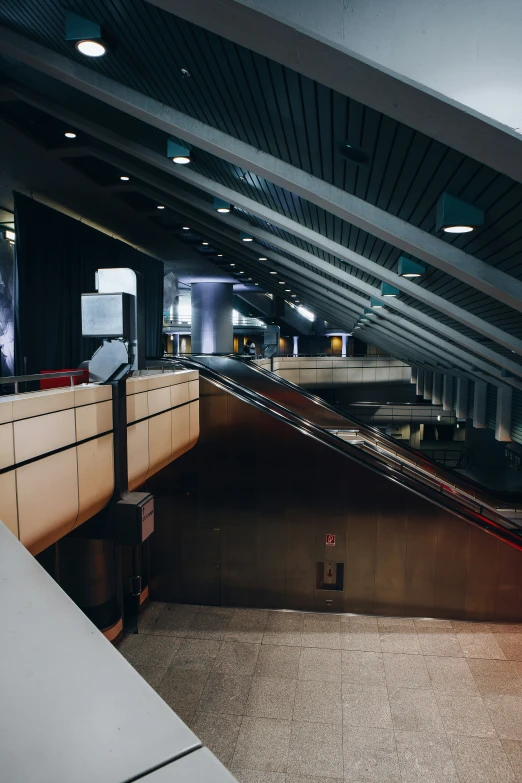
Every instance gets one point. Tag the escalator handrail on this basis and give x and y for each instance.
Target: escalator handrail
(494, 524)
(488, 498)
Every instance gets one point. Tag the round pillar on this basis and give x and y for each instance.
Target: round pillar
(212, 330)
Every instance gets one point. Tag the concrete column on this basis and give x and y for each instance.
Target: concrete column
(212, 318)
(420, 382)
(415, 435)
(461, 408)
(503, 419)
(428, 385)
(447, 394)
(344, 340)
(479, 404)
(436, 392)
(296, 345)
(413, 377)
(175, 347)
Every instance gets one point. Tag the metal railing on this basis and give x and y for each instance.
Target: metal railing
(15, 380)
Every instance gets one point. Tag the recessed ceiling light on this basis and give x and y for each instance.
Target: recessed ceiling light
(458, 229)
(204, 243)
(124, 178)
(91, 48)
(70, 135)
(220, 255)
(232, 264)
(294, 295)
(273, 273)
(182, 160)
(160, 206)
(354, 154)
(241, 273)
(287, 290)
(246, 237)
(256, 283)
(262, 258)
(186, 228)
(282, 282)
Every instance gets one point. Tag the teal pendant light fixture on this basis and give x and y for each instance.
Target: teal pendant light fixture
(246, 237)
(389, 290)
(455, 216)
(410, 268)
(178, 153)
(375, 303)
(221, 206)
(86, 34)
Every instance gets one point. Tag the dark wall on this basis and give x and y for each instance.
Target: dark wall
(241, 520)
(57, 257)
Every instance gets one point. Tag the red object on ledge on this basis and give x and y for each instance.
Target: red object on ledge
(54, 383)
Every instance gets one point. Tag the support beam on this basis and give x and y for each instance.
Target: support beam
(461, 408)
(503, 416)
(420, 382)
(413, 377)
(447, 394)
(479, 404)
(436, 397)
(302, 37)
(428, 385)
(354, 210)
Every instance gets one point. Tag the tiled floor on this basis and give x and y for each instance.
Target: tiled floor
(285, 697)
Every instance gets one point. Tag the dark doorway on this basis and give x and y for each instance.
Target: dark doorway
(200, 566)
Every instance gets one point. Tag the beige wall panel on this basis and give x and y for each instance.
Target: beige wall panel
(159, 400)
(160, 441)
(179, 394)
(42, 434)
(325, 376)
(194, 422)
(137, 385)
(95, 476)
(340, 375)
(6, 446)
(137, 406)
(307, 377)
(6, 410)
(290, 375)
(46, 401)
(138, 453)
(161, 380)
(8, 510)
(193, 390)
(92, 420)
(181, 430)
(47, 499)
(86, 395)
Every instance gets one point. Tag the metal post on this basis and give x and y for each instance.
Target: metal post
(296, 345)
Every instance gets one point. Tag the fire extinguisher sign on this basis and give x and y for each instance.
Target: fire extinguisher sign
(330, 539)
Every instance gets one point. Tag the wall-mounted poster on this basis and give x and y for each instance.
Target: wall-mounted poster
(6, 308)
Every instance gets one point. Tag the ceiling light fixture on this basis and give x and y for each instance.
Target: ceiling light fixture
(409, 268)
(353, 154)
(185, 228)
(389, 290)
(281, 282)
(91, 48)
(232, 264)
(273, 273)
(124, 178)
(241, 273)
(455, 216)
(220, 255)
(70, 135)
(160, 206)
(294, 295)
(178, 153)
(375, 303)
(287, 290)
(262, 258)
(221, 206)
(246, 237)
(204, 243)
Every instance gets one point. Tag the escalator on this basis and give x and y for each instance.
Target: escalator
(366, 445)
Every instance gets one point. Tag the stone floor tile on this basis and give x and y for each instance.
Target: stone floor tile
(415, 709)
(196, 655)
(217, 732)
(182, 691)
(271, 697)
(148, 616)
(152, 674)
(174, 620)
(315, 749)
(313, 779)
(320, 664)
(511, 645)
(406, 671)
(425, 758)
(225, 693)
(480, 760)
(464, 715)
(366, 706)
(513, 750)
(257, 776)
(362, 668)
(236, 658)
(210, 623)
(398, 635)
(322, 631)
(450, 675)
(517, 668)
(480, 645)
(436, 637)
(262, 744)
(370, 755)
(496, 678)
(284, 628)
(275, 660)
(247, 625)
(505, 627)
(143, 649)
(360, 633)
(471, 626)
(506, 715)
(318, 702)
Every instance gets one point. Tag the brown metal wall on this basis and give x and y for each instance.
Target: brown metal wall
(270, 494)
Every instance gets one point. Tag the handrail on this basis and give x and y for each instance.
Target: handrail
(406, 475)
(16, 379)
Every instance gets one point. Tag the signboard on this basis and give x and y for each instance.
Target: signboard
(330, 539)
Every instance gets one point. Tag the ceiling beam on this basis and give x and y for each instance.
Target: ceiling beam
(356, 211)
